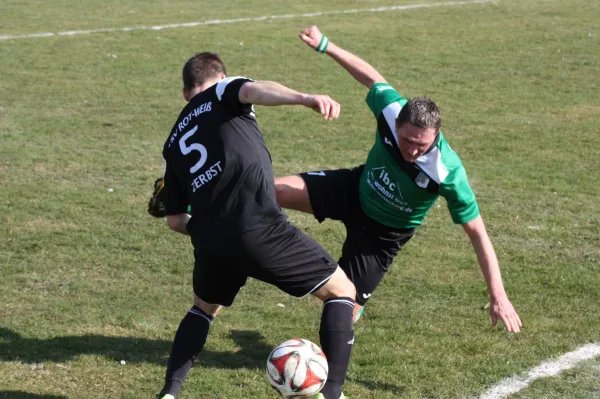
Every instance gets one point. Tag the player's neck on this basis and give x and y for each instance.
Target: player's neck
(206, 85)
(201, 88)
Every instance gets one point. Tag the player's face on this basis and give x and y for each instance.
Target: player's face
(414, 141)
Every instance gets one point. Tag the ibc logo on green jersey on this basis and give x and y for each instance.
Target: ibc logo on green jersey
(386, 188)
(386, 180)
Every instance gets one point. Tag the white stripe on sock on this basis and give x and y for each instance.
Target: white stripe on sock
(198, 313)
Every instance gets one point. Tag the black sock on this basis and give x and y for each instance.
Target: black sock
(337, 338)
(189, 341)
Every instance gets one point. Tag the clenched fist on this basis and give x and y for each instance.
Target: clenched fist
(311, 36)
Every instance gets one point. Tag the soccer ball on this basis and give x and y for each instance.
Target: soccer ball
(297, 368)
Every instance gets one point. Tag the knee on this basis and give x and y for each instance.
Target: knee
(339, 285)
(208, 308)
(346, 288)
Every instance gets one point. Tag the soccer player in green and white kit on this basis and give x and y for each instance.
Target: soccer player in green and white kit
(384, 200)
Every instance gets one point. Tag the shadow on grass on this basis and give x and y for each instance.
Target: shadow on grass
(252, 351)
(27, 395)
(252, 354)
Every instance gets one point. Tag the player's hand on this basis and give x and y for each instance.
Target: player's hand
(311, 36)
(504, 310)
(325, 105)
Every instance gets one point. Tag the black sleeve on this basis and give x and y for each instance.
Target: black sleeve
(228, 93)
(176, 200)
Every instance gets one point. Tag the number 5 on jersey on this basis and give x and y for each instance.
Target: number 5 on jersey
(185, 149)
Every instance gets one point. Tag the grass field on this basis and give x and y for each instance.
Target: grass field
(92, 288)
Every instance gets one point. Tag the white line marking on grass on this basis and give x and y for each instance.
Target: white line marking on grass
(548, 369)
(250, 19)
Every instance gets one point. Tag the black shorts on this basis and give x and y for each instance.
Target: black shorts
(370, 247)
(279, 254)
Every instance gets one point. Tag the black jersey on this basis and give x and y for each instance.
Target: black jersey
(217, 162)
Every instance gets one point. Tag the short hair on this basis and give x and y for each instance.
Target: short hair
(420, 112)
(200, 68)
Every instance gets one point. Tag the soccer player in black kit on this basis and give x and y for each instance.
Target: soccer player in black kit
(217, 162)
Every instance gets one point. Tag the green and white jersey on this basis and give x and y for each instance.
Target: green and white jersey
(399, 194)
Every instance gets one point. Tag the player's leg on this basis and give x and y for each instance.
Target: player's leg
(359, 262)
(292, 193)
(215, 286)
(338, 285)
(367, 253)
(188, 343)
(336, 332)
(296, 264)
(323, 193)
(358, 312)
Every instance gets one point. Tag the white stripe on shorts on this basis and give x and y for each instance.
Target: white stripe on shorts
(322, 283)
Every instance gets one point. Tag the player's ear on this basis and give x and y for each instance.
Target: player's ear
(186, 94)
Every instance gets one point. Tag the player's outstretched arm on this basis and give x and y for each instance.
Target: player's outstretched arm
(500, 307)
(265, 92)
(360, 69)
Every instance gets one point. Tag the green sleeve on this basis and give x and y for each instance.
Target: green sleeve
(380, 96)
(461, 199)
